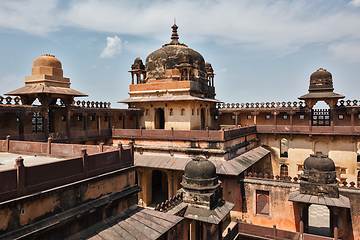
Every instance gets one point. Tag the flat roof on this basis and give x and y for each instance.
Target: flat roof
(7, 160)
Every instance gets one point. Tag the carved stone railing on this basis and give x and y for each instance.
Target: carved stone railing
(91, 104)
(169, 204)
(347, 103)
(262, 105)
(10, 100)
(290, 179)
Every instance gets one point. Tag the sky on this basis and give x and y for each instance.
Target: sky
(261, 51)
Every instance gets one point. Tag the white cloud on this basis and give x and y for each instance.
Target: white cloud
(113, 47)
(349, 52)
(279, 26)
(355, 3)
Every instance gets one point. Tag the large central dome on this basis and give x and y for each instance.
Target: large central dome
(170, 55)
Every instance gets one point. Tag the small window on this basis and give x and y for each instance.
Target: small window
(248, 117)
(197, 111)
(359, 116)
(284, 148)
(343, 171)
(182, 111)
(92, 118)
(302, 117)
(147, 112)
(285, 117)
(63, 118)
(106, 118)
(284, 170)
(341, 116)
(192, 111)
(300, 167)
(262, 202)
(171, 112)
(120, 118)
(79, 118)
(233, 117)
(130, 118)
(216, 117)
(267, 117)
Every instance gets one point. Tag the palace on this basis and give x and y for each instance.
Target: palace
(177, 163)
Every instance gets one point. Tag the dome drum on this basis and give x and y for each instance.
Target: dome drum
(200, 184)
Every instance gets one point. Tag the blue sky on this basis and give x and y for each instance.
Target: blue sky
(262, 50)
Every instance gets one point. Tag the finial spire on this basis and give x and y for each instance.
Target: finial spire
(174, 36)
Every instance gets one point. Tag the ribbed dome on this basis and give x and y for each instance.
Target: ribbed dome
(321, 80)
(170, 55)
(47, 60)
(200, 168)
(319, 162)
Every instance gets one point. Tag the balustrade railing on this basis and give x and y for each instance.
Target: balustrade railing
(295, 104)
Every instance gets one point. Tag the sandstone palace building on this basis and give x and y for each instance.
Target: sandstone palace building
(177, 163)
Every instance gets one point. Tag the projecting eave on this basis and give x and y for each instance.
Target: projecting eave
(341, 202)
(43, 89)
(168, 98)
(321, 95)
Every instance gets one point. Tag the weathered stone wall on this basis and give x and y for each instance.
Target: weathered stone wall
(285, 214)
(31, 209)
(341, 149)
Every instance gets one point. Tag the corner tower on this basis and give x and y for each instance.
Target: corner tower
(176, 89)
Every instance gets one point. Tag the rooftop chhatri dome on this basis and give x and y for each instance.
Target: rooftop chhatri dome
(200, 168)
(47, 60)
(319, 162)
(321, 80)
(170, 55)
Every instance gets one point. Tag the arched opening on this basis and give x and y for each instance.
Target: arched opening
(321, 146)
(284, 148)
(320, 114)
(159, 118)
(358, 179)
(319, 220)
(358, 152)
(284, 170)
(159, 187)
(203, 125)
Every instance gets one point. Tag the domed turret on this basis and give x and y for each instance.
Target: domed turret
(200, 183)
(200, 168)
(319, 162)
(321, 80)
(47, 64)
(319, 176)
(171, 55)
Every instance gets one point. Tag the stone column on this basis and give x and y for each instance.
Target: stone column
(275, 120)
(352, 122)
(255, 117)
(21, 125)
(291, 114)
(170, 179)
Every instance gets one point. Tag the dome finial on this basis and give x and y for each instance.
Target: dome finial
(174, 36)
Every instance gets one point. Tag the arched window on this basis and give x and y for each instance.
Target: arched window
(146, 112)
(171, 112)
(284, 170)
(284, 148)
(182, 111)
(192, 111)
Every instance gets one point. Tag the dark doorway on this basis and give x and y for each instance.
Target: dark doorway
(203, 118)
(159, 118)
(159, 187)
